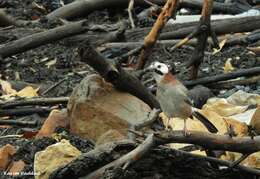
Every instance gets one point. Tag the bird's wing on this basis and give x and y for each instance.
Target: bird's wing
(188, 101)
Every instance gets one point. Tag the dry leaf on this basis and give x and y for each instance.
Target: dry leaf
(7, 87)
(228, 66)
(223, 107)
(255, 121)
(239, 128)
(243, 98)
(28, 91)
(221, 45)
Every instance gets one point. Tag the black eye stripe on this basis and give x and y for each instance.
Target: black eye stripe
(159, 72)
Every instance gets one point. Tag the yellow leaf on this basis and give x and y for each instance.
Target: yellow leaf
(28, 92)
(228, 66)
(255, 121)
(221, 45)
(223, 107)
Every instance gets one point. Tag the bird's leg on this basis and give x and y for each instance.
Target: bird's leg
(252, 132)
(185, 128)
(167, 124)
(230, 131)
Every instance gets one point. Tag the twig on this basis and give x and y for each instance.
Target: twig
(202, 32)
(24, 111)
(237, 162)
(18, 123)
(130, 14)
(150, 3)
(223, 77)
(34, 101)
(11, 136)
(231, 84)
(53, 86)
(124, 57)
(168, 10)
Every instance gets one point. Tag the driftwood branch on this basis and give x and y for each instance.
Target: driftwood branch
(211, 141)
(19, 123)
(42, 38)
(232, 25)
(33, 101)
(120, 78)
(231, 84)
(24, 111)
(222, 77)
(85, 7)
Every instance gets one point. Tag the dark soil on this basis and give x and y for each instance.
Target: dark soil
(32, 67)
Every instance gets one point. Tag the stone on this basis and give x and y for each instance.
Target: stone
(96, 107)
(16, 168)
(55, 119)
(53, 157)
(6, 153)
(109, 136)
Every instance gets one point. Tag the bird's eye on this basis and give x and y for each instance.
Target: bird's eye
(159, 66)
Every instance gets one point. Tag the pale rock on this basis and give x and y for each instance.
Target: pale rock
(53, 157)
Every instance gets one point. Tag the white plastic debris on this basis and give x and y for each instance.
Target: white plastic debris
(195, 18)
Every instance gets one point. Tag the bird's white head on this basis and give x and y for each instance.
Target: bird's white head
(159, 69)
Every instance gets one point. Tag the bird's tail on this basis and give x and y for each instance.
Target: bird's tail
(211, 128)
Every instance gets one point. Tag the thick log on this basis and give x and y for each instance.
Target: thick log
(245, 145)
(232, 25)
(85, 7)
(177, 31)
(42, 38)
